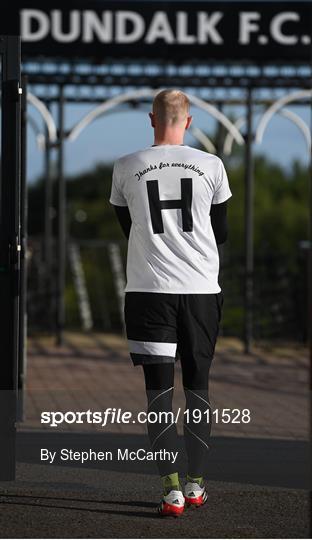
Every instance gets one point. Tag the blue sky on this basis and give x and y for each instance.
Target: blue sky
(128, 130)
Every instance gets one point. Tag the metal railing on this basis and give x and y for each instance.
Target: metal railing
(279, 301)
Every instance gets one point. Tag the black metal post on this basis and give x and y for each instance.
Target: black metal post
(22, 361)
(219, 140)
(309, 285)
(61, 258)
(220, 133)
(249, 201)
(48, 229)
(10, 245)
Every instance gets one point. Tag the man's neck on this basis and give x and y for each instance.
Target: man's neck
(167, 143)
(169, 137)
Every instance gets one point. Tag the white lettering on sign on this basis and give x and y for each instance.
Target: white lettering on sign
(182, 29)
(137, 30)
(57, 30)
(207, 27)
(247, 25)
(127, 26)
(276, 28)
(30, 16)
(160, 29)
(100, 28)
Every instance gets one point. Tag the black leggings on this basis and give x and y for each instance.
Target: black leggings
(159, 382)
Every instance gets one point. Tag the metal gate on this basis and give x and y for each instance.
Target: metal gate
(10, 249)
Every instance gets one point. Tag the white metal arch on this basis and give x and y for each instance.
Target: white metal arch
(228, 141)
(40, 138)
(296, 119)
(203, 139)
(294, 96)
(293, 117)
(46, 115)
(197, 133)
(218, 115)
(145, 92)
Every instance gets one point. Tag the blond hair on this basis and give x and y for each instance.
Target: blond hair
(171, 107)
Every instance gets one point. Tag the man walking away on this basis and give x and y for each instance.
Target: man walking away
(170, 200)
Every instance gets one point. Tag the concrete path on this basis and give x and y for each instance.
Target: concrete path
(257, 472)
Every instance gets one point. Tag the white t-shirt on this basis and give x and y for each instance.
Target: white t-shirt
(169, 190)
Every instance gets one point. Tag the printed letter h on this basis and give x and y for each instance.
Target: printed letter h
(157, 205)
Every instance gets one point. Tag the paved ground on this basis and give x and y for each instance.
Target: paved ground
(95, 372)
(258, 476)
(114, 505)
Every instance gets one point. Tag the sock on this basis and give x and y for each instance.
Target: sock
(199, 480)
(169, 482)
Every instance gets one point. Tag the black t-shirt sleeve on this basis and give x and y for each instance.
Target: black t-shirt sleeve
(219, 221)
(124, 219)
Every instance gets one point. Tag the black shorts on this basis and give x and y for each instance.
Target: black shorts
(163, 327)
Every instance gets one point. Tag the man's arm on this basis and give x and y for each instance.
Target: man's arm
(124, 218)
(217, 214)
(219, 221)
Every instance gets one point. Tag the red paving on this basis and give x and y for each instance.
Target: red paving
(94, 372)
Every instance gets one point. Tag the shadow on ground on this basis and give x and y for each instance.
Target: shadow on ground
(256, 489)
(266, 462)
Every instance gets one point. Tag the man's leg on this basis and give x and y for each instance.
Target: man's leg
(151, 330)
(197, 334)
(159, 382)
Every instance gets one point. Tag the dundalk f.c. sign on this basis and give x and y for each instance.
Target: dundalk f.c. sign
(182, 30)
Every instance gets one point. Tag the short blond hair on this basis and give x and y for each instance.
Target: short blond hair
(171, 107)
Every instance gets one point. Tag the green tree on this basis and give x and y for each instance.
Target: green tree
(281, 216)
